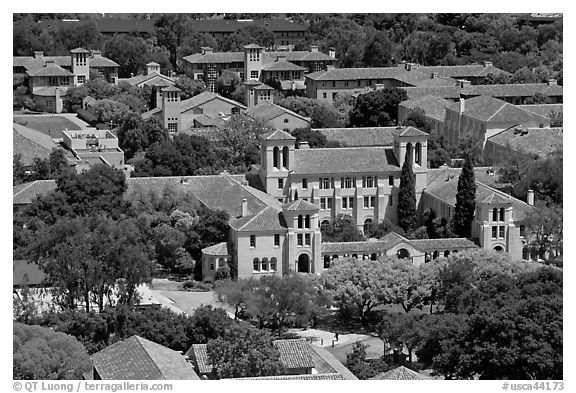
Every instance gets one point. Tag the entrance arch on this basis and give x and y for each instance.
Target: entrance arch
(498, 248)
(403, 253)
(303, 263)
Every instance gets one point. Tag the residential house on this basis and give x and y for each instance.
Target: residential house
(287, 67)
(540, 142)
(153, 77)
(474, 73)
(516, 94)
(278, 117)
(433, 108)
(203, 110)
(483, 116)
(137, 358)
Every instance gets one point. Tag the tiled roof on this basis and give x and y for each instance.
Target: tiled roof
(413, 77)
(401, 373)
(30, 143)
(203, 98)
(150, 113)
(487, 108)
(152, 63)
(266, 111)
(348, 160)
(303, 377)
(218, 57)
(253, 46)
(207, 121)
(79, 50)
(298, 56)
(100, 61)
(50, 91)
(198, 355)
(360, 136)
(171, 88)
(433, 106)
(263, 86)
(444, 244)
(277, 135)
(50, 70)
(300, 205)
(444, 186)
(146, 79)
(387, 242)
(27, 273)
(326, 363)
(540, 141)
(294, 353)
(496, 198)
(217, 249)
(25, 193)
(139, 359)
(463, 71)
(450, 92)
(409, 131)
(543, 109)
(268, 219)
(513, 90)
(252, 82)
(281, 65)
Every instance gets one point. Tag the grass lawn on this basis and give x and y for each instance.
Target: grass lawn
(49, 125)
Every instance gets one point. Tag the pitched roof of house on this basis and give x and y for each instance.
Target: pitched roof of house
(298, 56)
(513, 90)
(267, 111)
(79, 50)
(262, 86)
(451, 92)
(444, 244)
(151, 112)
(343, 161)
(300, 205)
(385, 243)
(268, 219)
(444, 186)
(152, 63)
(30, 144)
(217, 249)
(433, 106)
(326, 363)
(282, 65)
(207, 121)
(137, 358)
(27, 273)
(303, 377)
(359, 136)
(198, 354)
(147, 79)
(488, 108)
(203, 98)
(215, 57)
(25, 193)
(277, 135)
(539, 141)
(543, 109)
(401, 373)
(413, 77)
(409, 131)
(49, 70)
(101, 61)
(463, 71)
(50, 91)
(294, 353)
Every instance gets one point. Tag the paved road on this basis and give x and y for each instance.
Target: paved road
(375, 349)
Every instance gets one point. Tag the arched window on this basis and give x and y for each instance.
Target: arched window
(324, 225)
(355, 256)
(300, 225)
(403, 253)
(446, 253)
(221, 262)
(495, 214)
(264, 264)
(326, 261)
(307, 221)
(410, 152)
(334, 256)
(418, 153)
(276, 157)
(256, 264)
(374, 256)
(235, 110)
(273, 264)
(285, 162)
(367, 226)
(501, 214)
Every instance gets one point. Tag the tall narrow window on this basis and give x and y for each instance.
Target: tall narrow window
(304, 184)
(252, 241)
(276, 240)
(329, 203)
(344, 203)
(300, 222)
(285, 162)
(299, 239)
(418, 153)
(306, 239)
(494, 232)
(256, 264)
(501, 232)
(275, 157)
(307, 221)
(495, 214)
(501, 214)
(273, 264)
(390, 180)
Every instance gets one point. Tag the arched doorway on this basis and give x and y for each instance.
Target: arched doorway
(374, 257)
(303, 263)
(403, 253)
(324, 225)
(498, 248)
(367, 226)
(446, 253)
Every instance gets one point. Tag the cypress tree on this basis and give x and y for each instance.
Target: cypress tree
(407, 196)
(465, 200)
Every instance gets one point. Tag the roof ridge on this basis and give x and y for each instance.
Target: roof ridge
(147, 353)
(25, 188)
(495, 113)
(253, 217)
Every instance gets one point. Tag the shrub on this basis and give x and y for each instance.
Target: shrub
(222, 273)
(196, 286)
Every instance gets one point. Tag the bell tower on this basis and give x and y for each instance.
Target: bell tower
(277, 161)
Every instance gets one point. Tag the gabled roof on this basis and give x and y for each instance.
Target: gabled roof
(463, 71)
(409, 131)
(496, 198)
(451, 92)
(325, 362)
(294, 353)
(100, 61)
(205, 97)
(146, 79)
(29, 144)
(253, 46)
(198, 354)
(267, 111)
(263, 86)
(268, 219)
(368, 247)
(277, 135)
(171, 88)
(215, 58)
(455, 243)
(413, 77)
(300, 205)
(50, 70)
(343, 161)
(488, 108)
(539, 141)
(401, 373)
(513, 90)
(79, 50)
(543, 109)
(26, 273)
(281, 65)
(139, 359)
(302, 377)
(217, 249)
(433, 106)
(152, 63)
(359, 136)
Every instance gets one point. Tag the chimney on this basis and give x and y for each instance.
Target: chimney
(244, 207)
(552, 82)
(330, 67)
(96, 53)
(314, 48)
(206, 49)
(462, 83)
(332, 52)
(379, 86)
(434, 75)
(38, 54)
(487, 63)
(530, 199)
(304, 145)
(408, 66)
(462, 106)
